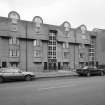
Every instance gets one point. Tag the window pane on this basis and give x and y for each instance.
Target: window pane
(63, 45)
(14, 40)
(10, 41)
(36, 53)
(34, 42)
(10, 52)
(67, 45)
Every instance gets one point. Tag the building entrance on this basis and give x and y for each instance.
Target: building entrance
(4, 64)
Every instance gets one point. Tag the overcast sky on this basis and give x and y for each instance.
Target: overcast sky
(77, 12)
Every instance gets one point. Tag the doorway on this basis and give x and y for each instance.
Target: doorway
(4, 64)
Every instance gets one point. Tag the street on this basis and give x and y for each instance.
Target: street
(63, 91)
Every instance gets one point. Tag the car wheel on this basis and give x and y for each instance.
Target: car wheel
(28, 78)
(1, 79)
(102, 74)
(88, 74)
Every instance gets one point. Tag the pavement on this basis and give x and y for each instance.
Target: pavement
(60, 73)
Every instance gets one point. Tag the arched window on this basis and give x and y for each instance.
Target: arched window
(14, 16)
(67, 26)
(83, 29)
(38, 21)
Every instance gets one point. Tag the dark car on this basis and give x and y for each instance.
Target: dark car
(88, 71)
(15, 74)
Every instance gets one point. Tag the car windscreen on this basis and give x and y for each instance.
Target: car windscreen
(86, 67)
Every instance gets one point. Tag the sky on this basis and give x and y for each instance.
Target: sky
(77, 12)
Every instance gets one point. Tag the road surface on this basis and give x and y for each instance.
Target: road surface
(65, 91)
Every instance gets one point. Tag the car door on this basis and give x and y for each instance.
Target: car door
(18, 74)
(7, 74)
(94, 71)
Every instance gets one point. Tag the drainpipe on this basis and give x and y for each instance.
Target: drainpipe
(74, 46)
(26, 49)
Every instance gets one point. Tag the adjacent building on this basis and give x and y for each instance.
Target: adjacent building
(36, 46)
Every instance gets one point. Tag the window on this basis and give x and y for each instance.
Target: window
(49, 43)
(50, 37)
(83, 29)
(36, 43)
(49, 53)
(14, 16)
(10, 53)
(54, 43)
(91, 50)
(81, 55)
(49, 48)
(54, 53)
(54, 37)
(14, 41)
(67, 26)
(54, 48)
(66, 54)
(91, 54)
(65, 45)
(14, 53)
(38, 21)
(37, 53)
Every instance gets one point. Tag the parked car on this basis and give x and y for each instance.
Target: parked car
(15, 74)
(88, 71)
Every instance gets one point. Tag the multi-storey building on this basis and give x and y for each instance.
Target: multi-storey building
(35, 46)
(100, 46)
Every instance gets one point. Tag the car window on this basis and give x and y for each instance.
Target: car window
(85, 67)
(9, 70)
(95, 67)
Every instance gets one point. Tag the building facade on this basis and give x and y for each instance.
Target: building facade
(100, 46)
(35, 46)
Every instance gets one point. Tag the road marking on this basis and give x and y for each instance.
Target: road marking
(56, 87)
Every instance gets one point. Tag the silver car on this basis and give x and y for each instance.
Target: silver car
(15, 74)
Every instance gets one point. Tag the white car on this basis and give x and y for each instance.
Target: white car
(15, 74)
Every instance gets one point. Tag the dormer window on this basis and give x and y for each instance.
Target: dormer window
(14, 16)
(67, 26)
(38, 21)
(83, 29)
